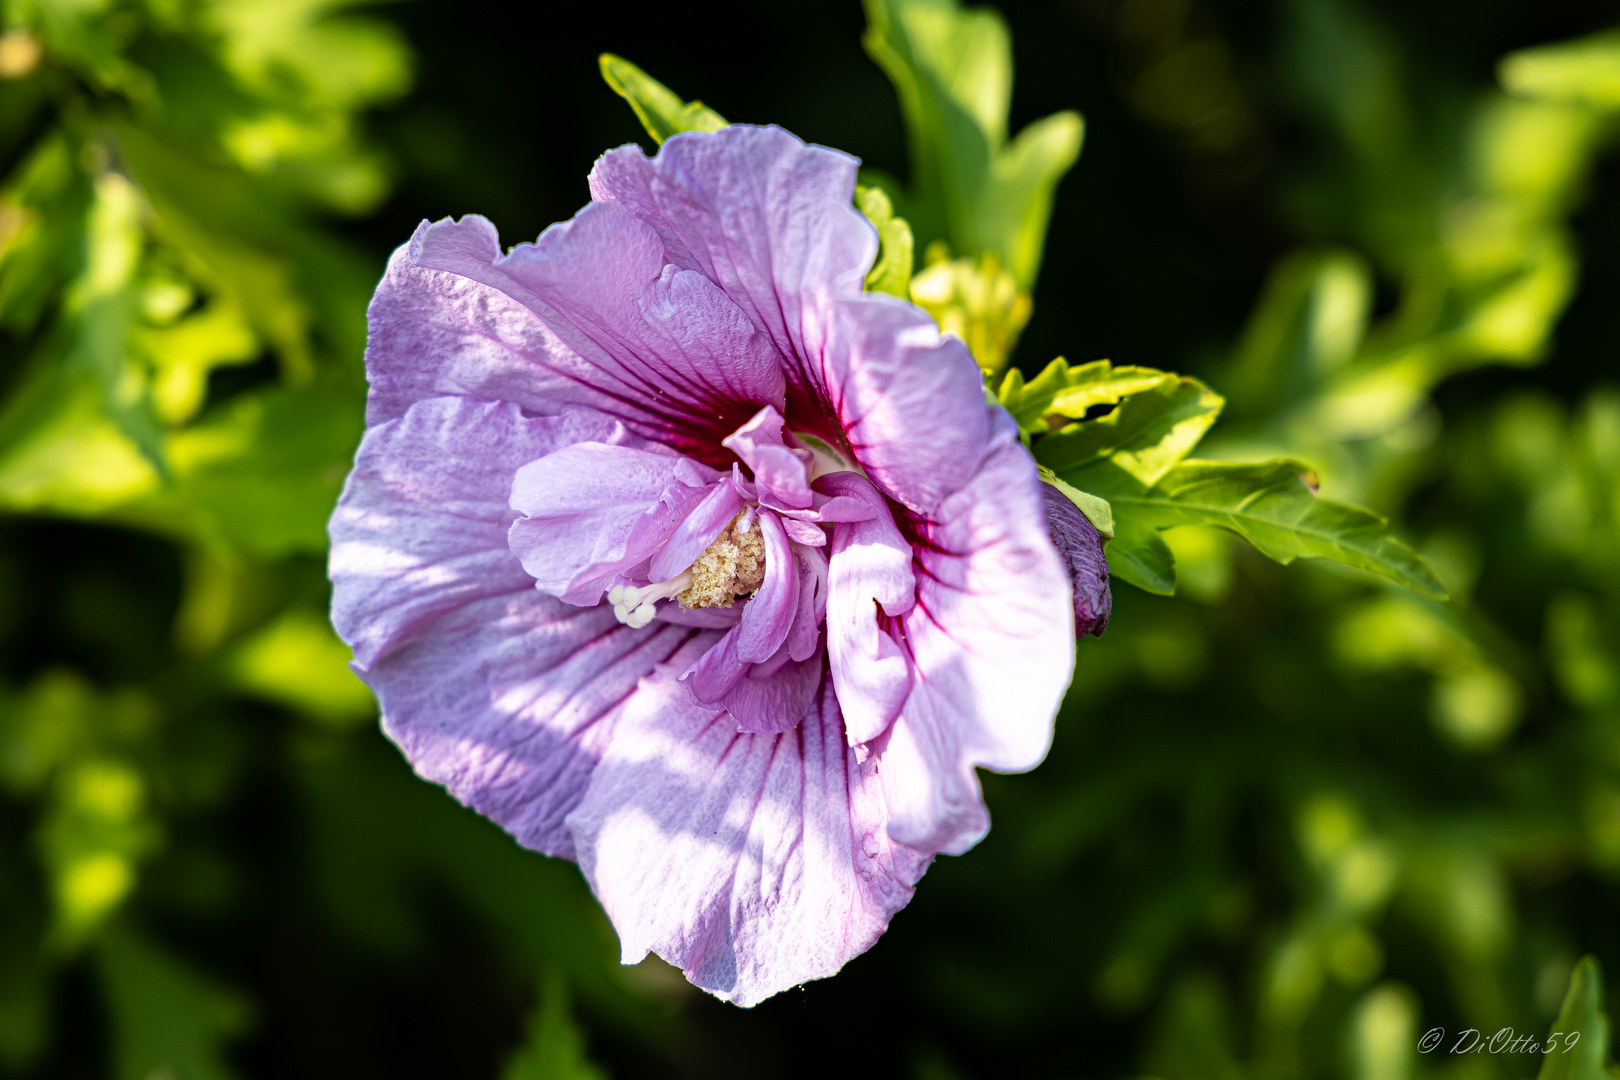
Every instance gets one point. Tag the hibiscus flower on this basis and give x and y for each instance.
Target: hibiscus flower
(676, 554)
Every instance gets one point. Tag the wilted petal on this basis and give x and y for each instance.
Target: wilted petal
(992, 640)
(592, 512)
(752, 862)
(1080, 546)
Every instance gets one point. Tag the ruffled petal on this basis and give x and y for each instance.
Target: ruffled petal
(752, 862)
(768, 616)
(661, 348)
(696, 532)
(991, 639)
(779, 470)
(909, 400)
(870, 581)
(760, 213)
(434, 334)
(592, 512)
(498, 692)
(421, 525)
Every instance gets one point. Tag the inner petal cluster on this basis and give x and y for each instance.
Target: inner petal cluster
(647, 528)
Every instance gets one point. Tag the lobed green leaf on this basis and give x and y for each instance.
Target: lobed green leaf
(1151, 430)
(1274, 507)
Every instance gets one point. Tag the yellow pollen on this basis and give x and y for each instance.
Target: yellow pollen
(732, 566)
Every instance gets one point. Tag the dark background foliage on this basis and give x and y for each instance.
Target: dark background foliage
(306, 907)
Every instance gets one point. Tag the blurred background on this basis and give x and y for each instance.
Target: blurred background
(1292, 818)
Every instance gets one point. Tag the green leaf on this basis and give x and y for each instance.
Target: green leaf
(1585, 71)
(660, 111)
(1069, 392)
(1145, 436)
(1272, 507)
(555, 1049)
(952, 69)
(892, 271)
(1139, 555)
(1578, 1045)
(167, 1019)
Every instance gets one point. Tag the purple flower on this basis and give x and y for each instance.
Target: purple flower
(676, 554)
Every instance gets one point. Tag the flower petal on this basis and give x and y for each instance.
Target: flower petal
(433, 334)
(661, 348)
(870, 580)
(696, 532)
(779, 470)
(421, 525)
(768, 616)
(510, 701)
(753, 862)
(500, 693)
(592, 512)
(755, 210)
(910, 400)
(991, 639)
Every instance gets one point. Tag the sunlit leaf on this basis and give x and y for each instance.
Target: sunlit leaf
(1139, 555)
(298, 661)
(1271, 506)
(658, 108)
(892, 271)
(1145, 435)
(1584, 71)
(1069, 392)
(952, 69)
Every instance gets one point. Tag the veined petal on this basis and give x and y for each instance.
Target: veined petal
(870, 580)
(910, 400)
(696, 532)
(767, 617)
(435, 334)
(421, 525)
(592, 512)
(511, 701)
(991, 639)
(661, 348)
(755, 210)
(752, 862)
(779, 470)
(500, 693)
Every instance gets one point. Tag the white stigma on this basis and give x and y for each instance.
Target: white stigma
(635, 607)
